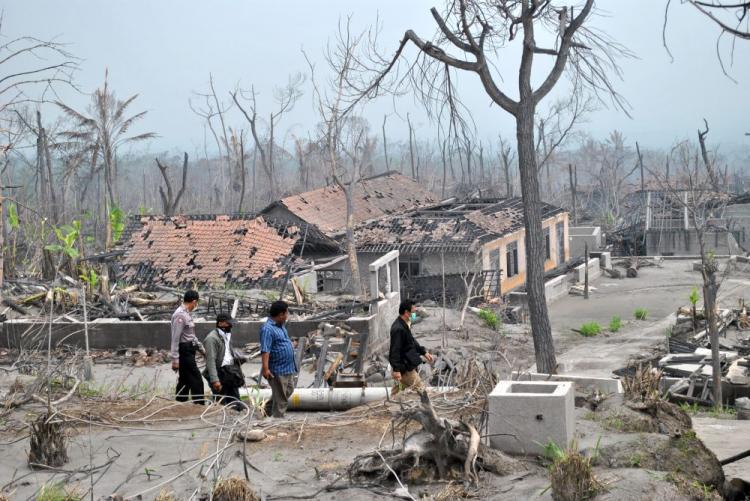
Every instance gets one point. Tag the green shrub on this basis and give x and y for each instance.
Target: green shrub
(590, 329)
(640, 313)
(490, 318)
(615, 324)
(694, 296)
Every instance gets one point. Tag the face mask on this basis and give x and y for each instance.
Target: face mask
(227, 329)
(413, 317)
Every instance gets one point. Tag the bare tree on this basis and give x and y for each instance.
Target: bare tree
(285, 98)
(214, 112)
(731, 16)
(507, 156)
(171, 201)
(348, 144)
(704, 208)
(480, 30)
(31, 69)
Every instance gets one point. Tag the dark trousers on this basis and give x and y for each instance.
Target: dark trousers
(230, 392)
(189, 379)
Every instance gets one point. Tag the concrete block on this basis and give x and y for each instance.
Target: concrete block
(586, 383)
(530, 414)
(594, 270)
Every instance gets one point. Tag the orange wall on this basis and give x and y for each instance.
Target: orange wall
(508, 284)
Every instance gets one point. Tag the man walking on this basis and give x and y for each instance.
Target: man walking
(223, 363)
(184, 346)
(277, 352)
(406, 354)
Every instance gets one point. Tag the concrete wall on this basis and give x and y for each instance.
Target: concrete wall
(580, 236)
(151, 334)
(738, 217)
(594, 270)
(682, 242)
(384, 309)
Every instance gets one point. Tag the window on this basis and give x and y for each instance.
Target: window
(547, 243)
(560, 229)
(408, 266)
(511, 260)
(494, 259)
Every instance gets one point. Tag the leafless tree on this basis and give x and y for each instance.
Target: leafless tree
(693, 191)
(285, 98)
(507, 157)
(731, 16)
(348, 144)
(479, 31)
(214, 112)
(171, 201)
(31, 69)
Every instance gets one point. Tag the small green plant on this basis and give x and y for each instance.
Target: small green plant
(490, 319)
(640, 313)
(58, 492)
(590, 329)
(117, 222)
(691, 409)
(277, 456)
(571, 473)
(67, 235)
(694, 296)
(91, 278)
(635, 460)
(724, 412)
(13, 220)
(615, 324)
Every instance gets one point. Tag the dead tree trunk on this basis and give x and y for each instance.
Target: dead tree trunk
(169, 201)
(633, 267)
(351, 246)
(640, 164)
(411, 148)
(534, 239)
(47, 442)
(573, 190)
(445, 169)
(710, 292)
(385, 146)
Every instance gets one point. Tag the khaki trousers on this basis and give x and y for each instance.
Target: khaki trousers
(409, 380)
(282, 388)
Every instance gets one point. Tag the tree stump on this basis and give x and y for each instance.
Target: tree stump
(47, 442)
(633, 268)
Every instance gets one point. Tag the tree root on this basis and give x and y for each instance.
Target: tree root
(443, 448)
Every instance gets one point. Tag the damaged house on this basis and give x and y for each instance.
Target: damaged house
(374, 197)
(482, 237)
(217, 251)
(659, 223)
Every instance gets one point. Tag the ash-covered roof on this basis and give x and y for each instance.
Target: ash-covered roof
(448, 227)
(208, 250)
(374, 197)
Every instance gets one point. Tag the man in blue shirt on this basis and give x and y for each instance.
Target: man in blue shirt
(277, 352)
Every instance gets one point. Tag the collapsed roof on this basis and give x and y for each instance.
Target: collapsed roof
(374, 197)
(447, 227)
(214, 250)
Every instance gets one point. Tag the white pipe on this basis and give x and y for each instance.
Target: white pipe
(327, 399)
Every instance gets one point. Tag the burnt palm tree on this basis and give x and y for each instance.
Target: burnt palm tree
(103, 129)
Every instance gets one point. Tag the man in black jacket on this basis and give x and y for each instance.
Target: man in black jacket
(405, 353)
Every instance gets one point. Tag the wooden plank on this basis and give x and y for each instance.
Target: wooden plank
(321, 364)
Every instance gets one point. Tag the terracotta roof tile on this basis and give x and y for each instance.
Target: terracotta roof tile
(375, 197)
(179, 251)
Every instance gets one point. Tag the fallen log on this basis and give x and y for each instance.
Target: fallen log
(633, 268)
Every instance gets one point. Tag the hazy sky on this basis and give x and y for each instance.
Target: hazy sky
(165, 49)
